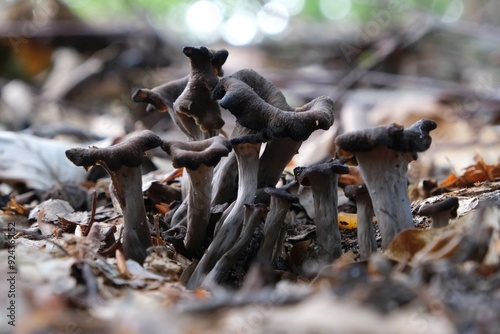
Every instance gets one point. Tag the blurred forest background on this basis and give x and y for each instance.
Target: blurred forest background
(74, 63)
(68, 69)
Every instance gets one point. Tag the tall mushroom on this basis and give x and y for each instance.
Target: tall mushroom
(259, 106)
(383, 154)
(366, 232)
(247, 154)
(123, 163)
(278, 151)
(198, 158)
(323, 180)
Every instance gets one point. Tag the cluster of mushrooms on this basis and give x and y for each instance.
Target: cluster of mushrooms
(231, 184)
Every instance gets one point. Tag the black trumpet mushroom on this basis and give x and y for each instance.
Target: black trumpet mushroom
(383, 154)
(123, 163)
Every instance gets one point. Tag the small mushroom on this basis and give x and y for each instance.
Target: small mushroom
(281, 200)
(123, 163)
(198, 158)
(364, 209)
(195, 101)
(252, 216)
(383, 154)
(254, 113)
(323, 180)
(247, 150)
(440, 212)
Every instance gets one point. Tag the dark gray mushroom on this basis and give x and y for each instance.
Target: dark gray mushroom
(195, 101)
(440, 212)
(263, 95)
(252, 216)
(162, 97)
(247, 150)
(281, 200)
(323, 180)
(254, 113)
(364, 209)
(198, 158)
(277, 153)
(383, 154)
(123, 163)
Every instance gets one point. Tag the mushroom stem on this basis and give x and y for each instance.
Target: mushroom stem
(325, 208)
(272, 227)
(366, 232)
(225, 181)
(123, 163)
(127, 184)
(247, 155)
(323, 180)
(277, 154)
(386, 181)
(198, 159)
(278, 209)
(440, 219)
(199, 198)
(253, 215)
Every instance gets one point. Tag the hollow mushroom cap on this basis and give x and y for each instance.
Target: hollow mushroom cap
(354, 190)
(414, 139)
(303, 174)
(192, 155)
(448, 205)
(282, 193)
(129, 153)
(254, 113)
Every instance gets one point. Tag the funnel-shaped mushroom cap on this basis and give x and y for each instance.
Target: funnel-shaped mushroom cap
(193, 154)
(304, 174)
(355, 190)
(281, 193)
(129, 153)
(414, 139)
(254, 113)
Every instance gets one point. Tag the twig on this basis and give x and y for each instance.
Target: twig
(92, 214)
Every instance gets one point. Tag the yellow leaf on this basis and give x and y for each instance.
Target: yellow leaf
(347, 220)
